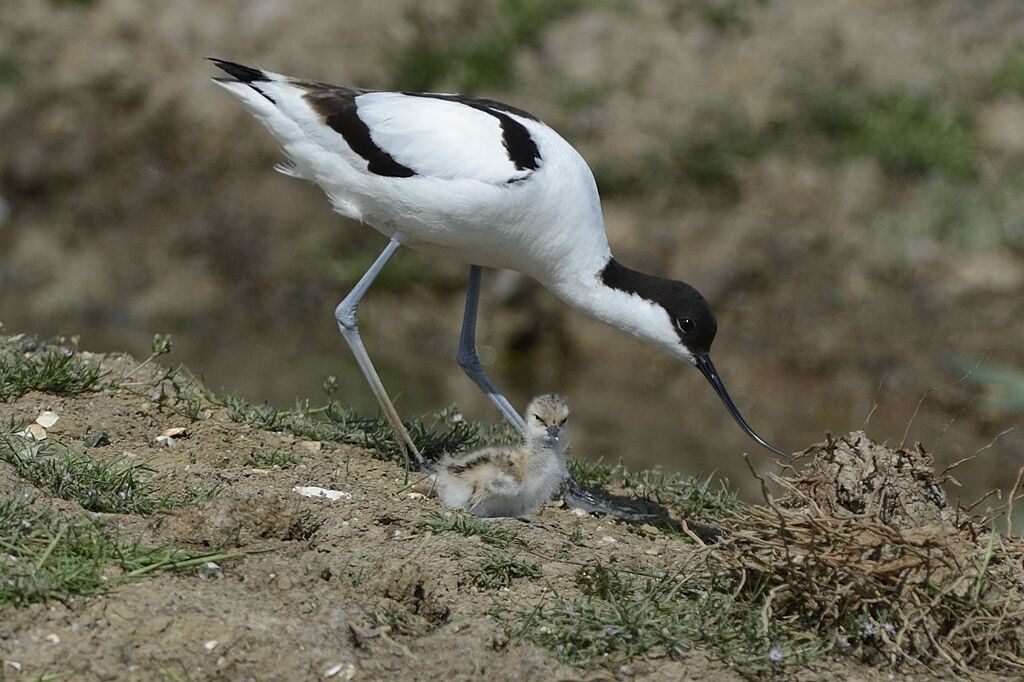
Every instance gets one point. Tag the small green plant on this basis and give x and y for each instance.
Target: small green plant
(468, 525)
(108, 486)
(497, 571)
(49, 369)
(161, 345)
(51, 557)
(598, 580)
(592, 473)
(276, 458)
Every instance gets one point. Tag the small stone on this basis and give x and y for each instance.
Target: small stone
(333, 670)
(47, 419)
(97, 440)
(416, 496)
(52, 638)
(211, 645)
(14, 665)
(165, 441)
(311, 445)
(176, 432)
(608, 539)
(579, 512)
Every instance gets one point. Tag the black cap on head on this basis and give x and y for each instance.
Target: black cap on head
(690, 314)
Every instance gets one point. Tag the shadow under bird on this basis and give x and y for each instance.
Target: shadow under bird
(480, 182)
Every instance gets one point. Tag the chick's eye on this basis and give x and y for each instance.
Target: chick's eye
(686, 325)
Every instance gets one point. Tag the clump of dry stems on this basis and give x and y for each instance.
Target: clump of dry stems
(863, 542)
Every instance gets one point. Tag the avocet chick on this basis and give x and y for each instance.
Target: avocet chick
(511, 480)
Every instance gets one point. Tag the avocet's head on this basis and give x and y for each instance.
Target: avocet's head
(547, 418)
(676, 317)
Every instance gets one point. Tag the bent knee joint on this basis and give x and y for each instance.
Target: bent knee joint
(346, 316)
(469, 361)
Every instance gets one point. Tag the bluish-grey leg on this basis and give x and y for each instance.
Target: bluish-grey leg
(345, 313)
(470, 361)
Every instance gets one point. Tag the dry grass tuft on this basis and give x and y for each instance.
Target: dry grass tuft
(863, 544)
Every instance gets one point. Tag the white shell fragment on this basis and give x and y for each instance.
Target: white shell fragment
(314, 491)
(348, 674)
(33, 431)
(170, 435)
(47, 419)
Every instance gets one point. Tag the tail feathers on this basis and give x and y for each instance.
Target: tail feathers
(245, 74)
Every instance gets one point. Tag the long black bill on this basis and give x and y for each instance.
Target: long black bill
(707, 368)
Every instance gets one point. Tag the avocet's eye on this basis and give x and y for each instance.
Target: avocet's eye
(686, 325)
(537, 417)
(562, 423)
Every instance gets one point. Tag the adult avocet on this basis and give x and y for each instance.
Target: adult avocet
(480, 182)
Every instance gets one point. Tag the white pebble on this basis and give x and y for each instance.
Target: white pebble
(211, 645)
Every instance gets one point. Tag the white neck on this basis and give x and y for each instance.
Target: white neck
(626, 311)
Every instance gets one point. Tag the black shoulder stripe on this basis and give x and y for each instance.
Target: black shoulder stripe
(522, 150)
(340, 113)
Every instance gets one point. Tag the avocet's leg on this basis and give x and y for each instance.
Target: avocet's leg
(470, 361)
(345, 313)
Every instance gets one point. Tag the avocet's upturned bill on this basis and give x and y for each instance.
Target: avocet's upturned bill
(480, 182)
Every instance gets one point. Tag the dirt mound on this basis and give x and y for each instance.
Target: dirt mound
(853, 475)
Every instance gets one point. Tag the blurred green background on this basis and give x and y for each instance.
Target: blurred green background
(842, 179)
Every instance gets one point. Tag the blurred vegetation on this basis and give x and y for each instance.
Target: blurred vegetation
(477, 53)
(905, 131)
(1002, 386)
(1010, 77)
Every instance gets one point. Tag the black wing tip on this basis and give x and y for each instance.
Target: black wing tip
(244, 74)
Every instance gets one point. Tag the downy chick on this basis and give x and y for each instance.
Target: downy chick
(511, 480)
